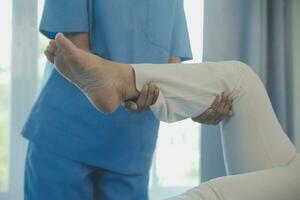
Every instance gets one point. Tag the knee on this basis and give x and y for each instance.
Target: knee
(242, 67)
(245, 69)
(237, 75)
(233, 71)
(245, 74)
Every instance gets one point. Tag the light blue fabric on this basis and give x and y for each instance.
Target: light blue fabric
(65, 16)
(62, 119)
(256, 32)
(49, 176)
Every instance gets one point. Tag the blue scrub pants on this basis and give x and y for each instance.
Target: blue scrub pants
(49, 176)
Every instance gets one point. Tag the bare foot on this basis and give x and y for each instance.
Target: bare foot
(105, 83)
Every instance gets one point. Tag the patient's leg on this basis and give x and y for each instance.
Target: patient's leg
(252, 139)
(272, 184)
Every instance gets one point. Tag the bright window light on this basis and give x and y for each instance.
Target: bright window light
(5, 55)
(175, 166)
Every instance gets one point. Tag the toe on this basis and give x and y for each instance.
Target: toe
(64, 43)
(51, 47)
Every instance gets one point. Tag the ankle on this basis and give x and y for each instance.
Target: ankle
(130, 91)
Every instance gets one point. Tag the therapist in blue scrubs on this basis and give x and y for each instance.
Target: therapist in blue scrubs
(75, 152)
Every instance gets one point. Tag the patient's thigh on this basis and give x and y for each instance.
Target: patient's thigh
(274, 184)
(253, 138)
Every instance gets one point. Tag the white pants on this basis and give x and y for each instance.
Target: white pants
(282, 183)
(252, 139)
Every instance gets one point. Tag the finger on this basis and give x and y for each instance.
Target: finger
(203, 118)
(213, 115)
(218, 119)
(228, 106)
(231, 109)
(131, 106)
(141, 101)
(216, 115)
(197, 119)
(222, 113)
(150, 96)
(221, 106)
(227, 112)
(216, 102)
(208, 115)
(216, 122)
(156, 94)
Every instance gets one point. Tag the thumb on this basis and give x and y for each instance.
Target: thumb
(130, 105)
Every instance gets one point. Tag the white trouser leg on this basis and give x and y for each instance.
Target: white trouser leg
(202, 192)
(253, 138)
(280, 183)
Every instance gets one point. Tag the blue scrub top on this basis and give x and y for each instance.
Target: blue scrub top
(129, 31)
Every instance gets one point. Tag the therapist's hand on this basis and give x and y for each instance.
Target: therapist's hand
(218, 111)
(147, 98)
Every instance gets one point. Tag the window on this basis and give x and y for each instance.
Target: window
(5, 41)
(42, 44)
(18, 83)
(175, 166)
